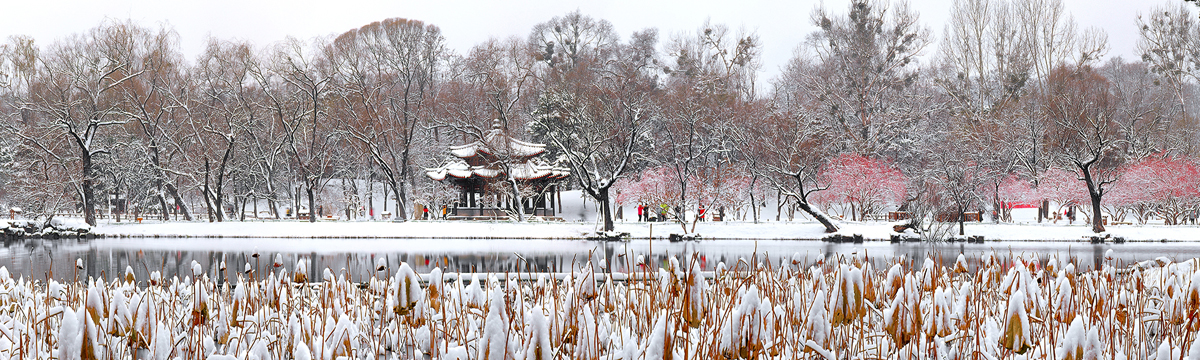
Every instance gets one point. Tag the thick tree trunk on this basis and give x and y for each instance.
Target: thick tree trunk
(218, 199)
(219, 194)
(395, 187)
(312, 205)
(348, 205)
(517, 196)
(605, 209)
(962, 217)
(158, 180)
(1043, 210)
(778, 205)
(89, 206)
(208, 205)
(116, 207)
(219, 202)
(1097, 220)
(1096, 194)
(753, 208)
(401, 199)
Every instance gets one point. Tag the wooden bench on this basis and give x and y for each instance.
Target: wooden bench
(967, 217)
(478, 218)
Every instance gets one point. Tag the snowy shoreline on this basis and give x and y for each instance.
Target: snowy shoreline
(871, 231)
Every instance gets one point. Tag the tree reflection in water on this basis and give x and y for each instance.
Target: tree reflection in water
(106, 259)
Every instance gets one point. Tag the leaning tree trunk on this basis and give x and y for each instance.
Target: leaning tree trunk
(208, 202)
(802, 202)
(271, 199)
(162, 202)
(753, 204)
(187, 214)
(162, 199)
(820, 216)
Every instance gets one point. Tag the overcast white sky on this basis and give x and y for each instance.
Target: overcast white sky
(781, 25)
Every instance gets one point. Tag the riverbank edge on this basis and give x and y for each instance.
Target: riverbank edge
(493, 230)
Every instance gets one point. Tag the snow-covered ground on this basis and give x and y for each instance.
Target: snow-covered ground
(581, 221)
(579, 230)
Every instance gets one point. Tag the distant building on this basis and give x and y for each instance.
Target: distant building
(481, 173)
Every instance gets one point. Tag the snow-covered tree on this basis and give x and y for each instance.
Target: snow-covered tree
(863, 184)
(490, 89)
(157, 103)
(1084, 132)
(74, 97)
(1062, 187)
(789, 150)
(1013, 190)
(1166, 186)
(863, 73)
(711, 78)
(388, 75)
(595, 113)
(298, 88)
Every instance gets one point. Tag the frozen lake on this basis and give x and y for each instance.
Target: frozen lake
(103, 258)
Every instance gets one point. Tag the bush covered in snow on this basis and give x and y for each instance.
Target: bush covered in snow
(985, 308)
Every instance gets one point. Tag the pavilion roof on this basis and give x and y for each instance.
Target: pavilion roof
(528, 170)
(496, 139)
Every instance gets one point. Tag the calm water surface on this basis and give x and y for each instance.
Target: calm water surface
(106, 258)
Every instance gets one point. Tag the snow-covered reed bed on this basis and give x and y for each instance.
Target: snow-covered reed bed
(1021, 307)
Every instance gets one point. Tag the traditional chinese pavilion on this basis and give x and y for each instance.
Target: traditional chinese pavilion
(481, 173)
